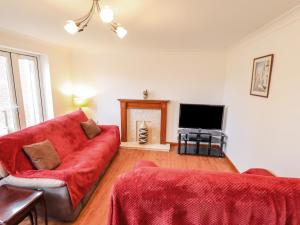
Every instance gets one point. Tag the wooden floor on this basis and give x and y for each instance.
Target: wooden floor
(95, 212)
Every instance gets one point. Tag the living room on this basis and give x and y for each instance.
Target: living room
(132, 67)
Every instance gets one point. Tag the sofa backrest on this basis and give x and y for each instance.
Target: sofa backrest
(64, 132)
(153, 195)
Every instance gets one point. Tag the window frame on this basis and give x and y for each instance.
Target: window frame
(12, 90)
(15, 86)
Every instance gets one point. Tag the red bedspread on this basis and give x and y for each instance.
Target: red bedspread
(82, 160)
(156, 196)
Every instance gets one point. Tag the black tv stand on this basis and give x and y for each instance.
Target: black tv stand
(201, 142)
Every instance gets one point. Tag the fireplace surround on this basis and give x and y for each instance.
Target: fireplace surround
(161, 105)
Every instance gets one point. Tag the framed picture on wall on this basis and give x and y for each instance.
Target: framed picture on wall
(261, 76)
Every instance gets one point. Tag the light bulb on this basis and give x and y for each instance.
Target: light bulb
(106, 14)
(121, 32)
(71, 27)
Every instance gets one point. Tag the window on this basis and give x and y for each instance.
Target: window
(21, 102)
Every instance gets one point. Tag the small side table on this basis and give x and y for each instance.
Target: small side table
(18, 203)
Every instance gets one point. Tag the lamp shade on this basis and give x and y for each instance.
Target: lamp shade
(80, 101)
(121, 32)
(71, 27)
(106, 14)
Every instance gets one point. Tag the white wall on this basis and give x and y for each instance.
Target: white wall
(187, 77)
(262, 132)
(265, 132)
(59, 62)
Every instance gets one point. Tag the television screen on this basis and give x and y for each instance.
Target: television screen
(201, 116)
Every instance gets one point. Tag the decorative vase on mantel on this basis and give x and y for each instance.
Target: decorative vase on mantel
(143, 133)
(145, 94)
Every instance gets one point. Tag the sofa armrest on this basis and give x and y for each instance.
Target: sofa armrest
(107, 127)
(259, 172)
(144, 163)
(34, 183)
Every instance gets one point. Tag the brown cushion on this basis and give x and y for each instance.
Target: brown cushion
(42, 155)
(90, 128)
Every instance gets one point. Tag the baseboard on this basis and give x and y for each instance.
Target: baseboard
(231, 164)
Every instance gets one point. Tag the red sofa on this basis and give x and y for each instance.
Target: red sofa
(83, 161)
(149, 195)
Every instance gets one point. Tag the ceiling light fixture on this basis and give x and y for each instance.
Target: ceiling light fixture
(105, 14)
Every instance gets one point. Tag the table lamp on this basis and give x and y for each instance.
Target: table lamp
(80, 101)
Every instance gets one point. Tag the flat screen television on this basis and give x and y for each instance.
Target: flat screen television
(201, 116)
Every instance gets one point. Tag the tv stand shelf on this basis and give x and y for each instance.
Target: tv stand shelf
(201, 142)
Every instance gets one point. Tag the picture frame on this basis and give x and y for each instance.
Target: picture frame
(261, 76)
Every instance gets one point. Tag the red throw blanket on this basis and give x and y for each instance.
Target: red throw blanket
(82, 160)
(156, 196)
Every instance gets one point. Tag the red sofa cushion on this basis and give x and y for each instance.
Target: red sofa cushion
(151, 196)
(82, 160)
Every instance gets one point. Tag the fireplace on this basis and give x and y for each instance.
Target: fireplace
(135, 112)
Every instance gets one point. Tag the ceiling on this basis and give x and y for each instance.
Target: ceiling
(152, 24)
